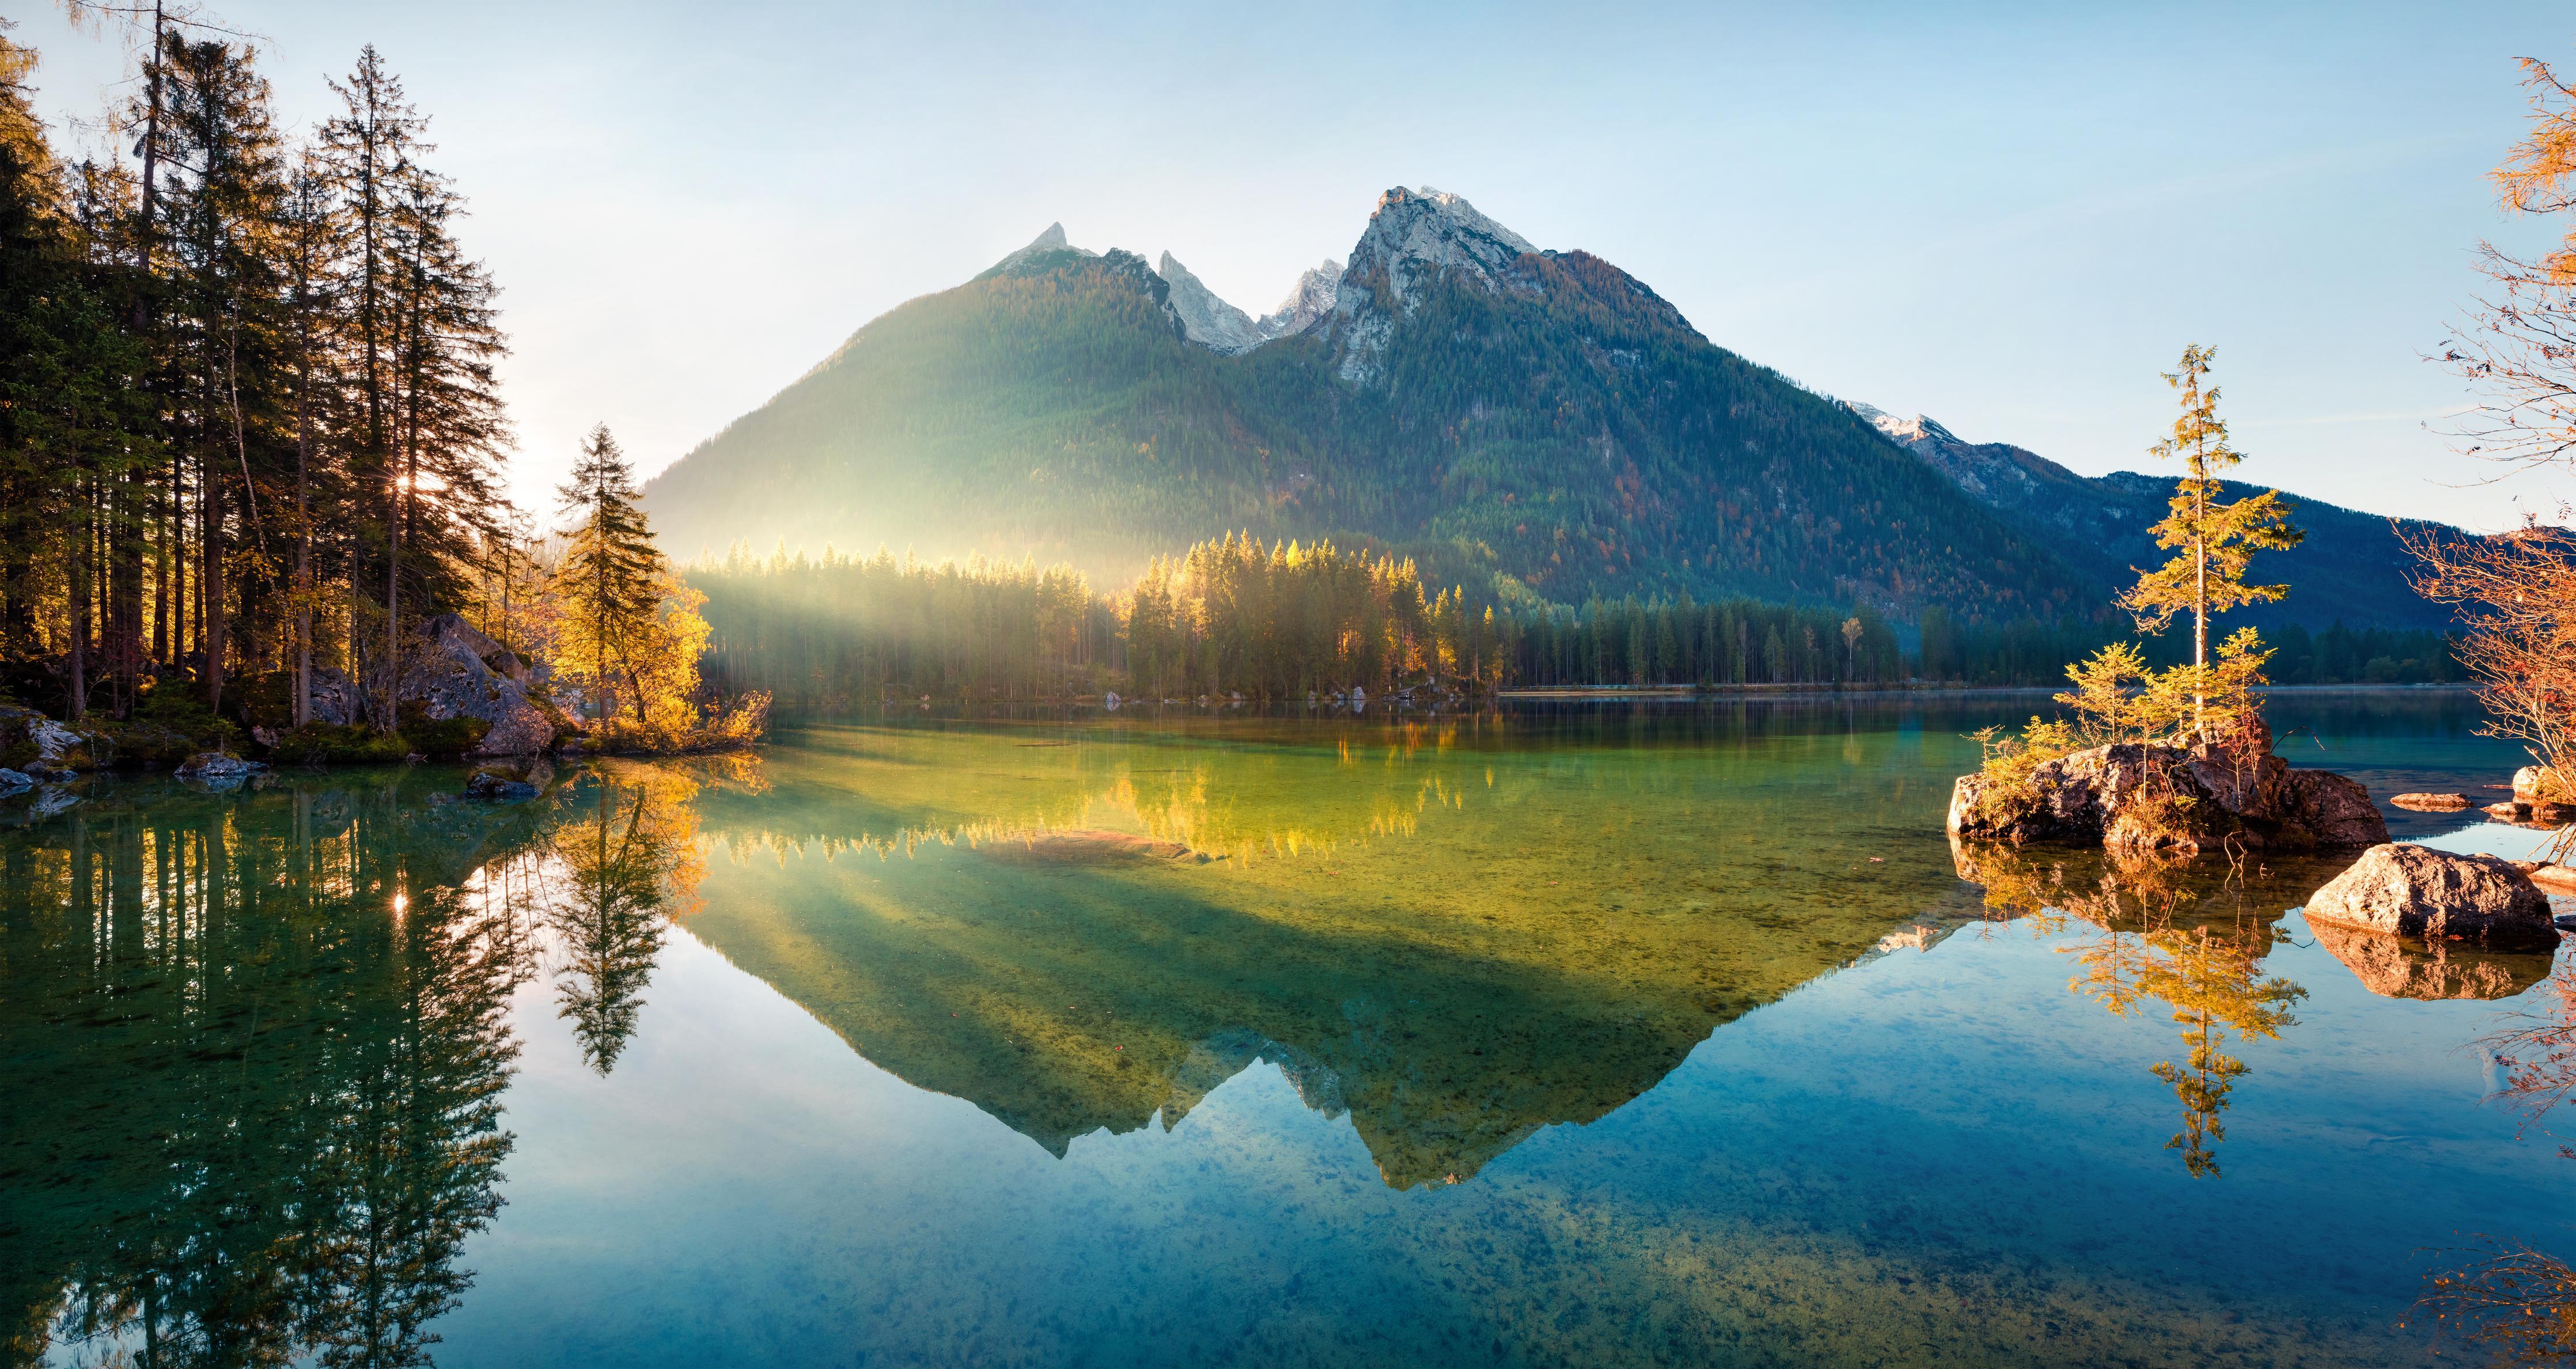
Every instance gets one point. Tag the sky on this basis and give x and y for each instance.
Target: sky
(2009, 217)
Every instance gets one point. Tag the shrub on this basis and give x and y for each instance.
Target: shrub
(328, 744)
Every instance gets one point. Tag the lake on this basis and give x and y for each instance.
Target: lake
(1573, 1033)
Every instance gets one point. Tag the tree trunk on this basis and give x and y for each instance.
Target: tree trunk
(210, 507)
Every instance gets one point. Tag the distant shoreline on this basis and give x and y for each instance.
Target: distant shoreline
(1909, 688)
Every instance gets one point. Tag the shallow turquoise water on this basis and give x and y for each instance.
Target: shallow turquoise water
(1592, 1035)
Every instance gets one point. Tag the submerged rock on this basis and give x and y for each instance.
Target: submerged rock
(2407, 890)
(2433, 803)
(2396, 967)
(1086, 846)
(14, 781)
(508, 783)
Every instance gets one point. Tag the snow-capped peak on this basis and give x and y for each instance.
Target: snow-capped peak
(1905, 431)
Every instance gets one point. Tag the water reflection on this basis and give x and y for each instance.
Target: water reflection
(254, 1109)
(625, 861)
(2516, 1303)
(2190, 937)
(256, 1045)
(1451, 942)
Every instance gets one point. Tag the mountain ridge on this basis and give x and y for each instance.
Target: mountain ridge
(1530, 423)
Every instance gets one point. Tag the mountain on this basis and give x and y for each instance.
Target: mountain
(1515, 418)
(2351, 567)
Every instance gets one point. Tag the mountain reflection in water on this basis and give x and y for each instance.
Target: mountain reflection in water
(255, 1049)
(1453, 955)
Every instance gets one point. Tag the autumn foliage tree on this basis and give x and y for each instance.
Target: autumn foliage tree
(2215, 539)
(627, 630)
(2517, 592)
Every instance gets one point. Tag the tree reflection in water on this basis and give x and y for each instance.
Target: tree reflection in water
(2517, 1303)
(2514, 1301)
(2191, 937)
(253, 1049)
(623, 863)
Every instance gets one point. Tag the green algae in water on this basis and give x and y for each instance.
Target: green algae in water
(1574, 1036)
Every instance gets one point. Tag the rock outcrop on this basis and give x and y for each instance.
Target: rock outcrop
(1415, 237)
(2393, 967)
(217, 770)
(2162, 797)
(2540, 784)
(15, 782)
(456, 672)
(1205, 319)
(2416, 891)
(1309, 303)
(45, 749)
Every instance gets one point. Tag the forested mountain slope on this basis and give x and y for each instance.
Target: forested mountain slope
(2352, 567)
(1494, 410)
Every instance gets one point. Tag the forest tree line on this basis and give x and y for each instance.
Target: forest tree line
(247, 400)
(251, 437)
(1278, 620)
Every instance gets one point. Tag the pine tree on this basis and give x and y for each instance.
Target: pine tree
(2217, 540)
(612, 574)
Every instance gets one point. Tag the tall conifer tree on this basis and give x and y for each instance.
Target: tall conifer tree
(2216, 539)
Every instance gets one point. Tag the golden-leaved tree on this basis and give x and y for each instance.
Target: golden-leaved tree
(2214, 539)
(2517, 592)
(628, 629)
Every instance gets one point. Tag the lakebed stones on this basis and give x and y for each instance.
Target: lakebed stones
(2415, 891)
(2434, 803)
(2167, 798)
(1087, 846)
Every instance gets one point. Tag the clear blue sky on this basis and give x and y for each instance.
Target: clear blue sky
(2008, 217)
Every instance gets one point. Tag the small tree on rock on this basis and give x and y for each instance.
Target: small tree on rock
(2216, 539)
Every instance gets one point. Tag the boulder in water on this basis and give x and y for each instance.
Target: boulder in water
(217, 770)
(2541, 784)
(2166, 798)
(2407, 890)
(498, 785)
(2434, 803)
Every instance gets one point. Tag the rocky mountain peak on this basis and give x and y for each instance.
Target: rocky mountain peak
(1307, 305)
(1205, 319)
(1052, 240)
(1415, 237)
